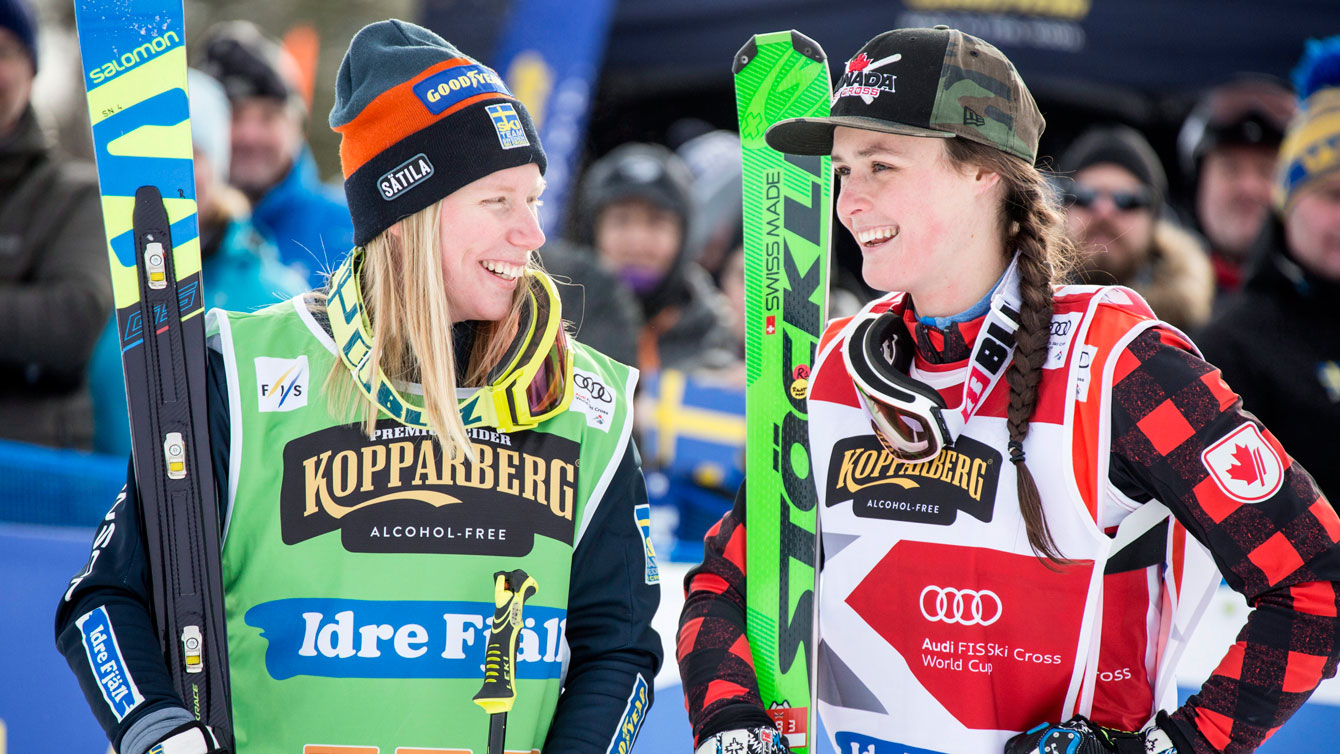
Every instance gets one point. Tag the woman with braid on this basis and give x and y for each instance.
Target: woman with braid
(1027, 491)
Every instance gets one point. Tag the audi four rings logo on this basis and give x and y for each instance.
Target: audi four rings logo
(963, 606)
(597, 391)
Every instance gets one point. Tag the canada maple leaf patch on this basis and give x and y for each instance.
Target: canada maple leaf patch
(858, 63)
(1244, 466)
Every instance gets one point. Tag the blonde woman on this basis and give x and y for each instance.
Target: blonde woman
(386, 446)
(1024, 487)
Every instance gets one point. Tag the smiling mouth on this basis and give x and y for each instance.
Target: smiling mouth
(876, 236)
(503, 269)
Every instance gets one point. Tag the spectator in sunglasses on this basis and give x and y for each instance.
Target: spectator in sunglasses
(1276, 340)
(1228, 146)
(1114, 190)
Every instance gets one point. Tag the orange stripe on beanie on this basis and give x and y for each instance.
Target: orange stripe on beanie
(418, 120)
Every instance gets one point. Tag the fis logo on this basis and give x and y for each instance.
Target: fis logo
(508, 125)
(281, 384)
(643, 515)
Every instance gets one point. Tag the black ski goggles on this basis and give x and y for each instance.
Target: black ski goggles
(908, 416)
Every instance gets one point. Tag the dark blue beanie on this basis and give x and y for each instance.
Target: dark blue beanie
(419, 119)
(15, 16)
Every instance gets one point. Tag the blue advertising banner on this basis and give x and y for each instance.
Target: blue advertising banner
(550, 53)
(41, 706)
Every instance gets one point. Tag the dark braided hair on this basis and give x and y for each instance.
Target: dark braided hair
(1031, 223)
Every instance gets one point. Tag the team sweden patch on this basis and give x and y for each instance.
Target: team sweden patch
(643, 515)
(109, 667)
(633, 714)
(281, 384)
(508, 125)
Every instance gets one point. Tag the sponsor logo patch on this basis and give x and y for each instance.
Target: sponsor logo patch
(1064, 327)
(396, 493)
(456, 84)
(962, 478)
(791, 722)
(970, 621)
(508, 125)
(633, 714)
(281, 384)
(859, 743)
(593, 398)
(336, 638)
(1084, 361)
(405, 176)
(1244, 466)
(864, 79)
(109, 667)
(642, 514)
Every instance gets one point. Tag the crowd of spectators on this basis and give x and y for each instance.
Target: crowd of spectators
(652, 266)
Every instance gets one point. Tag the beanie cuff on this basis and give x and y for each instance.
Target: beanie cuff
(431, 163)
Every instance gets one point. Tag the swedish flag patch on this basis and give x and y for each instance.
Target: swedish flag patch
(508, 125)
(643, 515)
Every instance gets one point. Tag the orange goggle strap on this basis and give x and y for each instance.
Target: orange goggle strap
(539, 350)
(878, 356)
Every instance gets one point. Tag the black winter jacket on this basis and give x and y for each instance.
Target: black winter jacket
(55, 290)
(1278, 344)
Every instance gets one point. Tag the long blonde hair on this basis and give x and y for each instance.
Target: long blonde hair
(405, 298)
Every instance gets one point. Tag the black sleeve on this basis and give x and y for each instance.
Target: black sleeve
(105, 624)
(1282, 553)
(715, 660)
(615, 653)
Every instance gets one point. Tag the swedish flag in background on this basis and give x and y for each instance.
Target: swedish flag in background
(693, 434)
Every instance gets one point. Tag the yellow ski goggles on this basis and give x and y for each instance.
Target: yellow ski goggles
(533, 380)
(530, 384)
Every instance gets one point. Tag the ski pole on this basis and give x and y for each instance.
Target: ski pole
(510, 592)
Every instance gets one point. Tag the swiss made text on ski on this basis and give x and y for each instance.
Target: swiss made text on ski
(134, 59)
(787, 209)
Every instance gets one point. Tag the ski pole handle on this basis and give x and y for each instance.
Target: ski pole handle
(510, 592)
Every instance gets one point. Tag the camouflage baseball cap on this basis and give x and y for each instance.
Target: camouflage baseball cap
(925, 82)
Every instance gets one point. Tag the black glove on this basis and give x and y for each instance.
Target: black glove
(1080, 736)
(191, 738)
(760, 740)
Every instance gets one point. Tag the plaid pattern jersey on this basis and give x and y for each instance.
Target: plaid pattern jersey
(1168, 408)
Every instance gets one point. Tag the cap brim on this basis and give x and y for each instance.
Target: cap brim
(814, 136)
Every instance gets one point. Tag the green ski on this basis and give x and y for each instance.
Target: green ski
(787, 211)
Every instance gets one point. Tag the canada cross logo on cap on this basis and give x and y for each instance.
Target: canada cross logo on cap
(1244, 466)
(863, 78)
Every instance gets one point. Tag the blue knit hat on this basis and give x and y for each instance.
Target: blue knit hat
(16, 17)
(419, 119)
